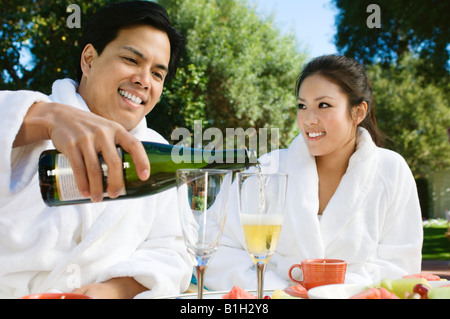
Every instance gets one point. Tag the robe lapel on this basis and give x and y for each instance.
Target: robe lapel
(302, 230)
(301, 222)
(352, 189)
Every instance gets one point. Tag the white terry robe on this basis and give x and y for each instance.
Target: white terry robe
(61, 248)
(373, 221)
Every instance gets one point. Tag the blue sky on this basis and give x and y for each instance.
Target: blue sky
(312, 21)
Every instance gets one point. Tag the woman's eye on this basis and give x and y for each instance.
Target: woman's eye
(301, 106)
(323, 105)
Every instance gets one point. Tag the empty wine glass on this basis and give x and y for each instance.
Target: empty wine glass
(262, 199)
(202, 197)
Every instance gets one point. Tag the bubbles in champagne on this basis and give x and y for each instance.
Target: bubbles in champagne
(261, 184)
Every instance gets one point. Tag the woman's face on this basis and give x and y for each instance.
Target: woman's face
(324, 119)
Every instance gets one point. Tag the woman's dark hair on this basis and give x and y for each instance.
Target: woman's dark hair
(104, 26)
(351, 77)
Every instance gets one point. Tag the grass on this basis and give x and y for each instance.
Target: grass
(435, 244)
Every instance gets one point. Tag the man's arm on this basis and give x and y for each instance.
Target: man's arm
(81, 136)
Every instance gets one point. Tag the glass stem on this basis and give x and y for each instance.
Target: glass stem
(200, 276)
(260, 269)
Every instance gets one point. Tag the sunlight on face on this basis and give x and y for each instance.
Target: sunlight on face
(126, 80)
(323, 117)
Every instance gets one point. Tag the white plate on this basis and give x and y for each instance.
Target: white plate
(337, 291)
(345, 291)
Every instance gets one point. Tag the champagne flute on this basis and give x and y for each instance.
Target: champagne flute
(202, 199)
(262, 199)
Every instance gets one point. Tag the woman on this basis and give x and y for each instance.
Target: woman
(347, 198)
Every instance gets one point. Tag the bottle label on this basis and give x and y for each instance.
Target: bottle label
(65, 179)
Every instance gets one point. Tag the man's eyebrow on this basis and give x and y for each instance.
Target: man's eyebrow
(163, 67)
(142, 56)
(137, 52)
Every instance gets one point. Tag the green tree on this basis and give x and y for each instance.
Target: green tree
(408, 60)
(238, 71)
(414, 114)
(416, 26)
(37, 46)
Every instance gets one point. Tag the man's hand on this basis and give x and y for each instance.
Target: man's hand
(116, 288)
(81, 136)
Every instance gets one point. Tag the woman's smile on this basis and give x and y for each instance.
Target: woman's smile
(315, 136)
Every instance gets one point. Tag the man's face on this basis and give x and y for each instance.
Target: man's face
(125, 81)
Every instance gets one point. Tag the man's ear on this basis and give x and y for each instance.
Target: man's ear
(360, 112)
(87, 56)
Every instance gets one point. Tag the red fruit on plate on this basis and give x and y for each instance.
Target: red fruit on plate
(238, 293)
(425, 275)
(297, 291)
(386, 294)
(370, 293)
(375, 293)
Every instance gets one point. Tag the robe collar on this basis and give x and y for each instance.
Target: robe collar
(310, 235)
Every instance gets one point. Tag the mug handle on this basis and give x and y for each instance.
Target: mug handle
(290, 273)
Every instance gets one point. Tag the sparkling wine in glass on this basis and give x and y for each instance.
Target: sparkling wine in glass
(262, 199)
(202, 198)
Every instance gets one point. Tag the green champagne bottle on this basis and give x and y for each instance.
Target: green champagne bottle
(58, 186)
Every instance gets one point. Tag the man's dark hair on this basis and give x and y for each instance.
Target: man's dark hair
(104, 26)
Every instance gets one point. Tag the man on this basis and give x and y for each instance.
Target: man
(104, 250)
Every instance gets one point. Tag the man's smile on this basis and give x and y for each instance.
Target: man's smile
(136, 101)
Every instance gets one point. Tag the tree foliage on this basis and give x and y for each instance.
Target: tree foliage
(415, 26)
(238, 71)
(414, 114)
(37, 46)
(408, 62)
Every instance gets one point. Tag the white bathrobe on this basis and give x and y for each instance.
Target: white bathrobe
(60, 248)
(373, 221)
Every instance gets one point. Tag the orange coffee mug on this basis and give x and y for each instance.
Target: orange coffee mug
(319, 272)
(56, 296)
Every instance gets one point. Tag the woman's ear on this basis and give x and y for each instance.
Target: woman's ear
(360, 112)
(87, 56)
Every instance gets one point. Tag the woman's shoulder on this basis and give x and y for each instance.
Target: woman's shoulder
(392, 165)
(389, 157)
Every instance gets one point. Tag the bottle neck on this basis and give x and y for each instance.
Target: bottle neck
(179, 154)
